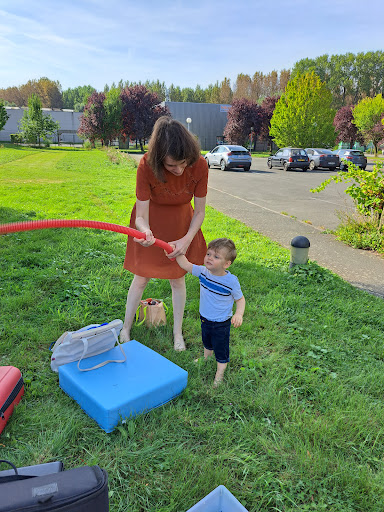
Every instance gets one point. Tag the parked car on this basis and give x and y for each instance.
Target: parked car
(289, 158)
(228, 156)
(351, 155)
(324, 158)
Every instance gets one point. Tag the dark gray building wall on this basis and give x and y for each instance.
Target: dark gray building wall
(208, 120)
(68, 121)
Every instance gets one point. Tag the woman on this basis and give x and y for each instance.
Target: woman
(168, 176)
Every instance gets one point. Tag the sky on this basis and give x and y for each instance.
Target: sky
(184, 43)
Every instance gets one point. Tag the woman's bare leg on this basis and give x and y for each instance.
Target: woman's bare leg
(135, 293)
(178, 301)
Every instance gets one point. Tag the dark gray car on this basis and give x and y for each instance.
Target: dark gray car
(351, 155)
(289, 158)
(324, 158)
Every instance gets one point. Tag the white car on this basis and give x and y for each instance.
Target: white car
(229, 157)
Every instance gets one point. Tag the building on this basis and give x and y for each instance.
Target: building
(206, 120)
(67, 119)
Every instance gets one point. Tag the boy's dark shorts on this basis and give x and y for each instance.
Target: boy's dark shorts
(215, 336)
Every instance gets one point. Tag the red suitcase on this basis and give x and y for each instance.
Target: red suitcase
(11, 391)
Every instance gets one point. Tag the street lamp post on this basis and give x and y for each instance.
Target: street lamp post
(189, 121)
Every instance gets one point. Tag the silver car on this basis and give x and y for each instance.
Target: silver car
(324, 158)
(229, 157)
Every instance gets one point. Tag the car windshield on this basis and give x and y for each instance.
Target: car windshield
(356, 153)
(324, 151)
(298, 152)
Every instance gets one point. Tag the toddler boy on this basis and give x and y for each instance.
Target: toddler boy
(219, 289)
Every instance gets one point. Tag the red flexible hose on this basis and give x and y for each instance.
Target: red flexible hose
(64, 223)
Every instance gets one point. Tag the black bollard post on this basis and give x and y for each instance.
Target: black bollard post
(299, 251)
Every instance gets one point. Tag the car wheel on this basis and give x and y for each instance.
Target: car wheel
(247, 168)
(363, 168)
(312, 165)
(305, 169)
(223, 166)
(269, 164)
(285, 166)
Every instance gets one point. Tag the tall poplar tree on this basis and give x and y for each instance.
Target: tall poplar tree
(303, 115)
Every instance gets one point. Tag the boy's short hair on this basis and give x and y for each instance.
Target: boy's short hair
(225, 244)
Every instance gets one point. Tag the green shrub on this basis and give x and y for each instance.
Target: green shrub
(16, 138)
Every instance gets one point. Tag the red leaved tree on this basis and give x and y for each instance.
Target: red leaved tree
(346, 130)
(268, 105)
(93, 119)
(245, 119)
(140, 110)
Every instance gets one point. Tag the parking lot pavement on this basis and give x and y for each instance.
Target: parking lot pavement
(279, 205)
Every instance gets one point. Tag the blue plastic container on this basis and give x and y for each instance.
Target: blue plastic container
(219, 500)
(123, 390)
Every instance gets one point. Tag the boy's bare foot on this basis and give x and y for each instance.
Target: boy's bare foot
(217, 382)
(124, 335)
(179, 343)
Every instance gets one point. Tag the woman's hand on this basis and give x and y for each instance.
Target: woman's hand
(148, 240)
(180, 247)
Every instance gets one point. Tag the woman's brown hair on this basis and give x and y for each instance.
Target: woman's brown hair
(170, 138)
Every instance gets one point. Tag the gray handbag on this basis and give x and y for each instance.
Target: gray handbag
(88, 341)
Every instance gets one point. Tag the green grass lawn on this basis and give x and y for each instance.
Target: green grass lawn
(298, 424)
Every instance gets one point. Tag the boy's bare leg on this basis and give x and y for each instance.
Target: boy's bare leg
(207, 353)
(135, 293)
(178, 302)
(219, 374)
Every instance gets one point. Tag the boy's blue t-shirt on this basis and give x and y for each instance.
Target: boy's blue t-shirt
(217, 293)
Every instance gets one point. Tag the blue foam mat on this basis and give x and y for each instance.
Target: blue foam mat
(219, 500)
(122, 390)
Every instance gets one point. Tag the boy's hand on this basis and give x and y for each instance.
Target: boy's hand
(237, 320)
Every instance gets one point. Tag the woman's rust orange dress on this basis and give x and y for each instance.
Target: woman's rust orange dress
(170, 214)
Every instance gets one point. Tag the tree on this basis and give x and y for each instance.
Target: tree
(303, 115)
(350, 77)
(112, 116)
(93, 118)
(367, 117)
(244, 122)
(199, 94)
(140, 111)
(243, 87)
(226, 91)
(346, 130)
(3, 115)
(76, 98)
(187, 94)
(174, 93)
(212, 93)
(268, 106)
(34, 125)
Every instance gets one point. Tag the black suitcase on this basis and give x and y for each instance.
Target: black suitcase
(83, 489)
(37, 470)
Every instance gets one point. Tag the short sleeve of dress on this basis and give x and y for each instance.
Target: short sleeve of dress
(202, 174)
(143, 189)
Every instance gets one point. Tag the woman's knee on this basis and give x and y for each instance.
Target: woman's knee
(177, 284)
(139, 282)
